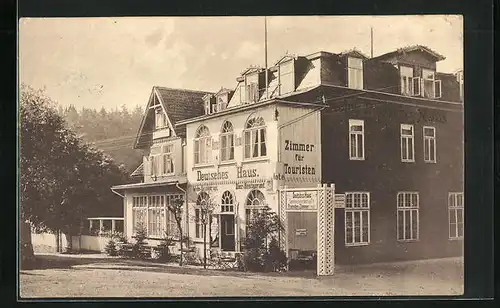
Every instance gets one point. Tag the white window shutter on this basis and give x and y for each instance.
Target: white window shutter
(417, 86)
(437, 89)
(151, 165)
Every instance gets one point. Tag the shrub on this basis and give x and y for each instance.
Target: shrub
(164, 249)
(110, 248)
(139, 247)
(275, 258)
(260, 255)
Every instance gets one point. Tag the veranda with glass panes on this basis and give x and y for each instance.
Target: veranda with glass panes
(152, 212)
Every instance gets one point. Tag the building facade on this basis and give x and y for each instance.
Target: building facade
(386, 131)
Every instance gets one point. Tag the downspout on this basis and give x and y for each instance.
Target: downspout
(187, 210)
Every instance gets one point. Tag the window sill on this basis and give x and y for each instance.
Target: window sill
(202, 166)
(227, 162)
(356, 159)
(456, 238)
(408, 241)
(430, 162)
(357, 245)
(407, 161)
(254, 160)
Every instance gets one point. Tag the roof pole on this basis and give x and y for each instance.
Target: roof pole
(265, 56)
(371, 42)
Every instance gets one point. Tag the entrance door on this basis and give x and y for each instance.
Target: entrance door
(227, 232)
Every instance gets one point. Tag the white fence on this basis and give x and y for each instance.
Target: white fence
(46, 242)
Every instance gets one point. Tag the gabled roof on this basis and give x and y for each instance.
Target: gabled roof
(179, 104)
(139, 171)
(251, 69)
(407, 49)
(353, 53)
(285, 58)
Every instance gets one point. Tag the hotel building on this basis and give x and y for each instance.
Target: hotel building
(386, 131)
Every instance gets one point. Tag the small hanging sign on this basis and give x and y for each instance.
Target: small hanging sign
(300, 232)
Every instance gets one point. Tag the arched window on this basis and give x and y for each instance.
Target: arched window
(201, 203)
(254, 203)
(255, 138)
(227, 204)
(202, 146)
(227, 142)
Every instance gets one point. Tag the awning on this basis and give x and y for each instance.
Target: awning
(168, 182)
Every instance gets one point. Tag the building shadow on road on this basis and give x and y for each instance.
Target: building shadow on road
(105, 263)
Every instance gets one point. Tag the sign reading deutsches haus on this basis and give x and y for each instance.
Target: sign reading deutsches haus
(302, 200)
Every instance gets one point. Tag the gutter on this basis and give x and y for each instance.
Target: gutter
(117, 193)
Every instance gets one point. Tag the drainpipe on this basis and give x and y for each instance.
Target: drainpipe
(187, 211)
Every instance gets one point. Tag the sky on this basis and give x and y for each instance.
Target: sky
(110, 62)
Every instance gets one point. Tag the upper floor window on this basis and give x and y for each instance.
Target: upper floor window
(456, 215)
(227, 142)
(221, 104)
(255, 138)
(431, 86)
(407, 143)
(356, 140)
(167, 161)
(408, 216)
(429, 144)
(355, 73)
(160, 119)
(252, 92)
(202, 146)
(406, 74)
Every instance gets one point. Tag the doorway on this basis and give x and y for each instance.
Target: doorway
(227, 232)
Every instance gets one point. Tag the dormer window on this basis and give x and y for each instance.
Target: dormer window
(221, 104)
(252, 92)
(207, 106)
(355, 73)
(160, 119)
(431, 87)
(406, 74)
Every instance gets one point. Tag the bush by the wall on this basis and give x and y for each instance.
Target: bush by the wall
(139, 247)
(110, 248)
(163, 249)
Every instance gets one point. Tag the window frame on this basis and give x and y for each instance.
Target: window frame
(456, 208)
(248, 133)
(353, 211)
(160, 113)
(427, 148)
(197, 146)
(407, 89)
(411, 209)
(357, 78)
(357, 135)
(227, 134)
(165, 224)
(404, 137)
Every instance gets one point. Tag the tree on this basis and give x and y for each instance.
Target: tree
(175, 207)
(62, 180)
(206, 206)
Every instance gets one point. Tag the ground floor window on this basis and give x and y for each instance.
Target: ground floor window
(456, 215)
(357, 218)
(152, 213)
(408, 216)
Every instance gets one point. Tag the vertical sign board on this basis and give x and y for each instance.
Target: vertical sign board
(301, 207)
